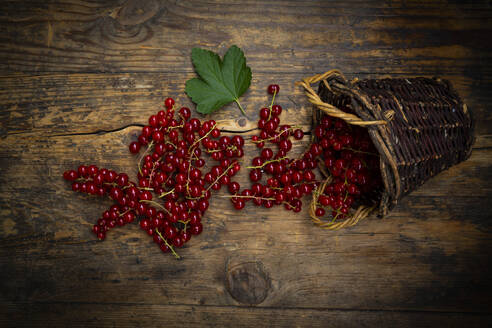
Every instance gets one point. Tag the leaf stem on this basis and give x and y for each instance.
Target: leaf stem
(240, 107)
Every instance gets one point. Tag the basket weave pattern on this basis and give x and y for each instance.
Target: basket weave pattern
(420, 126)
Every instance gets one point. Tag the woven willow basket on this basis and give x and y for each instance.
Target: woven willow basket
(419, 126)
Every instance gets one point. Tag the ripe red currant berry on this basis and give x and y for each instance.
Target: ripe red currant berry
(298, 134)
(134, 147)
(319, 131)
(153, 121)
(122, 179)
(76, 186)
(326, 121)
(178, 241)
(129, 217)
(170, 232)
(83, 171)
(158, 136)
(264, 113)
(266, 153)
(101, 235)
(185, 112)
(261, 124)
(215, 133)
(238, 141)
(186, 236)
(255, 175)
(145, 195)
(70, 175)
(309, 176)
(319, 212)
(147, 131)
(169, 103)
(352, 189)
(203, 205)
(257, 161)
(196, 229)
(340, 163)
(356, 164)
(233, 187)
(324, 200)
(276, 110)
(239, 204)
(96, 228)
(164, 248)
(145, 224)
(273, 89)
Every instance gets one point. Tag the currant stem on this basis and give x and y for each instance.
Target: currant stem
(200, 139)
(249, 197)
(282, 132)
(271, 104)
(220, 176)
(155, 204)
(166, 193)
(360, 151)
(170, 247)
(267, 162)
(143, 155)
(230, 147)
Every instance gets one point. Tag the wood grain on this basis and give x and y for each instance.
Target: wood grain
(151, 315)
(78, 80)
(54, 104)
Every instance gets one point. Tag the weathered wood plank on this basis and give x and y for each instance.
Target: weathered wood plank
(157, 315)
(50, 104)
(136, 36)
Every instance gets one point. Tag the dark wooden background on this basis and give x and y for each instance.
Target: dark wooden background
(79, 78)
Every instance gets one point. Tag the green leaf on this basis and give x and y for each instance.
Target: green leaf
(220, 82)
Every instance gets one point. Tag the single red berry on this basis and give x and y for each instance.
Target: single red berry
(70, 175)
(185, 112)
(153, 121)
(266, 153)
(255, 175)
(178, 241)
(169, 103)
(276, 109)
(196, 229)
(83, 171)
(215, 133)
(101, 235)
(238, 141)
(265, 113)
(319, 212)
(239, 204)
(233, 187)
(273, 89)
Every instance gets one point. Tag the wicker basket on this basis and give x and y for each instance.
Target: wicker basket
(419, 126)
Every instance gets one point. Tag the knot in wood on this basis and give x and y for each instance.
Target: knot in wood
(135, 12)
(248, 282)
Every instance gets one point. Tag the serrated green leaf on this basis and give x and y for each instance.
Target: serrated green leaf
(220, 82)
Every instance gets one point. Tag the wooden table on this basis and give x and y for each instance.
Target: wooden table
(79, 79)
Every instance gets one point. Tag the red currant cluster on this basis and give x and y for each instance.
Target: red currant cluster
(353, 163)
(288, 179)
(345, 152)
(168, 170)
